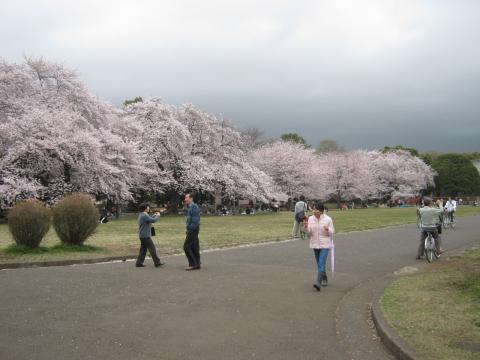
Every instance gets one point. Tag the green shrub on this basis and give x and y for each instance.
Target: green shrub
(75, 218)
(29, 222)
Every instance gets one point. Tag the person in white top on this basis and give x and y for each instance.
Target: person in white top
(450, 207)
(320, 230)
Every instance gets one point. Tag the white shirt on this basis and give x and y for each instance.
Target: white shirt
(300, 206)
(451, 205)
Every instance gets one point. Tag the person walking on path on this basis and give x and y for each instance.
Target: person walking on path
(301, 209)
(429, 220)
(320, 229)
(192, 243)
(145, 222)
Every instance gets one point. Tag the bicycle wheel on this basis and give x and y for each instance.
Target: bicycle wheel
(429, 255)
(445, 222)
(428, 250)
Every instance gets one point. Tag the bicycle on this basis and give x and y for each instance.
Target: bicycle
(302, 231)
(430, 247)
(448, 220)
(452, 220)
(445, 220)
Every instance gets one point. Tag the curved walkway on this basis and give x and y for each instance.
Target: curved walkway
(247, 303)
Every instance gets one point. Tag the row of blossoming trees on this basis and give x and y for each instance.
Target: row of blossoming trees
(56, 137)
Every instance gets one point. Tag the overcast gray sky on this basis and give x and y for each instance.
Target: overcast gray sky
(366, 73)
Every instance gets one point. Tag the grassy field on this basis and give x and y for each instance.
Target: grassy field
(119, 237)
(438, 312)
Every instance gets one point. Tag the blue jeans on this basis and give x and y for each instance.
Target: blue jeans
(321, 258)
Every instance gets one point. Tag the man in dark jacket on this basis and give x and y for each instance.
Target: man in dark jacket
(192, 243)
(145, 232)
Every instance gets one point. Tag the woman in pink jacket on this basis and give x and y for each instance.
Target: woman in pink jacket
(320, 229)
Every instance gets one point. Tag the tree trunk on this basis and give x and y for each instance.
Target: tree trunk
(174, 201)
(217, 199)
(339, 200)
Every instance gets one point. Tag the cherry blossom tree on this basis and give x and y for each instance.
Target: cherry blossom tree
(224, 147)
(367, 175)
(200, 151)
(55, 137)
(293, 167)
(164, 139)
(401, 174)
(348, 176)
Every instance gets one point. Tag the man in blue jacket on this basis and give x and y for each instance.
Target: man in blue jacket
(192, 244)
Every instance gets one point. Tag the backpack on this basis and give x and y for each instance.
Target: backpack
(300, 216)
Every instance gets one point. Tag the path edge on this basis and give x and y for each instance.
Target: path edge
(390, 338)
(11, 266)
(109, 259)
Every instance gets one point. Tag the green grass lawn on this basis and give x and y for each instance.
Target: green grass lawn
(438, 312)
(119, 237)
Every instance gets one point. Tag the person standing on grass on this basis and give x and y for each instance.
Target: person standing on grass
(301, 209)
(145, 222)
(320, 229)
(192, 243)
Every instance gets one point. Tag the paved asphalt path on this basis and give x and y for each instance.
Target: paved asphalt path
(245, 303)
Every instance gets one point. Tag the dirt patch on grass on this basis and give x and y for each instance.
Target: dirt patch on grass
(438, 311)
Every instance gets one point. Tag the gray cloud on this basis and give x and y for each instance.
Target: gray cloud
(381, 72)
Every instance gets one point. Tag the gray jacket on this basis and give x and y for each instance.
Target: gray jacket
(144, 224)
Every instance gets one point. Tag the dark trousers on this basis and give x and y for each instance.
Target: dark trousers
(147, 243)
(451, 215)
(192, 248)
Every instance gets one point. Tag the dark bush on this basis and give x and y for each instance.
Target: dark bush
(456, 175)
(29, 222)
(75, 218)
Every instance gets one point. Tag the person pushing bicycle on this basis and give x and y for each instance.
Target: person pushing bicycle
(301, 208)
(430, 217)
